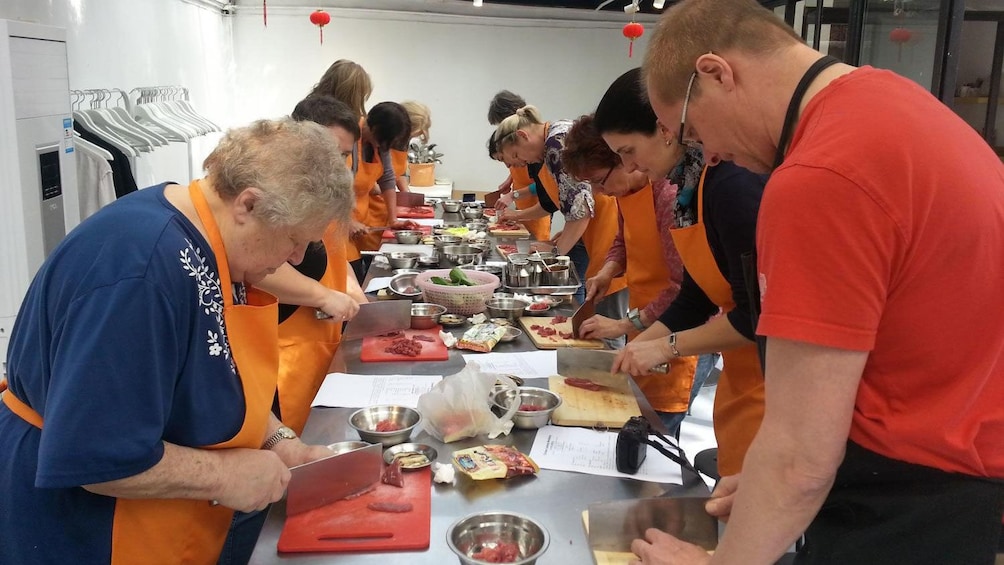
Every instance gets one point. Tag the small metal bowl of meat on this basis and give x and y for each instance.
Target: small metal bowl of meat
(402, 259)
(425, 315)
(497, 537)
(411, 455)
(408, 237)
(511, 334)
(508, 308)
(347, 446)
(535, 406)
(404, 286)
(538, 308)
(388, 425)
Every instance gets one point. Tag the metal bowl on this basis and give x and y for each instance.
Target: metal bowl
(452, 320)
(425, 315)
(402, 259)
(457, 255)
(445, 239)
(365, 420)
(538, 308)
(509, 308)
(404, 286)
(428, 261)
(347, 446)
(529, 396)
(406, 271)
(451, 206)
(488, 530)
(409, 237)
(473, 213)
(406, 449)
(511, 334)
(476, 226)
(497, 271)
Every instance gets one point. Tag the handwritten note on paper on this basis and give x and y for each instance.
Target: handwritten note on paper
(343, 390)
(526, 364)
(587, 451)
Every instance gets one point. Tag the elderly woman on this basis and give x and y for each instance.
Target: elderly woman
(525, 138)
(143, 362)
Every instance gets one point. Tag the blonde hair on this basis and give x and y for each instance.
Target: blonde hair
(692, 28)
(505, 133)
(346, 81)
(296, 165)
(421, 119)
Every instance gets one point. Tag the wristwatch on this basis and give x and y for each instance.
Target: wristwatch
(672, 344)
(515, 194)
(280, 434)
(635, 316)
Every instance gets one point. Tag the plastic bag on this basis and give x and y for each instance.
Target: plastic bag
(459, 406)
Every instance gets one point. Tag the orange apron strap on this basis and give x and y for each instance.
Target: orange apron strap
(215, 241)
(20, 408)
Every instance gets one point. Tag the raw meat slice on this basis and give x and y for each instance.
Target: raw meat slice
(394, 507)
(392, 474)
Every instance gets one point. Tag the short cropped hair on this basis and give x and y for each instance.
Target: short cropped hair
(327, 111)
(585, 151)
(346, 81)
(390, 125)
(692, 28)
(624, 107)
(296, 165)
(503, 105)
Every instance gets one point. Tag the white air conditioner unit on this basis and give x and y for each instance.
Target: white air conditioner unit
(38, 179)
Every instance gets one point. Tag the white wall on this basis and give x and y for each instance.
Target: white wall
(453, 64)
(130, 43)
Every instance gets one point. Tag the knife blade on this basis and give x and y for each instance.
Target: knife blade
(613, 525)
(492, 197)
(375, 318)
(327, 480)
(586, 310)
(410, 199)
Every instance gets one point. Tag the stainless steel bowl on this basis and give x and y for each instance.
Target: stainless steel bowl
(446, 239)
(425, 315)
(404, 286)
(457, 255)
(406, 271)
(365, 421)
(497, 271)
(428, 261)
(473, 213)
(476, 226)
(402, 259)
(544, 401)
(409, 237)
(494, 530)
(509, 308)
(403, 450)
(511, 334)
(451, 206)
(347, 446)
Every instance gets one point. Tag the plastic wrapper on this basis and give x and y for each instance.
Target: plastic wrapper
(481, 337)
(493, 462)
(459, 406)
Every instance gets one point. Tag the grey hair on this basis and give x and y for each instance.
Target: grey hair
(505, 133)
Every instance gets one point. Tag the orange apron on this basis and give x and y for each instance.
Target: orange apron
(367, 175)
(180, 531)
(399, 162)
(539, 228)
(646, 279)
(739, 401)
(307, 345)
(600, 232)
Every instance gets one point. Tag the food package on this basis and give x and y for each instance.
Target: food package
(493, 462)
(481, 337)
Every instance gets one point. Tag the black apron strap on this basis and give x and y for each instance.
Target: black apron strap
(788, 128)
(752, 283)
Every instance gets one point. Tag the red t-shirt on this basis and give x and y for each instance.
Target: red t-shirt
(883, 231)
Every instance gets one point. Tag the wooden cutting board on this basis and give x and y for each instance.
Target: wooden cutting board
(373, 348)
(601, 557)
(521, 232)
(355, 527)
(556, 341)
(610, 407)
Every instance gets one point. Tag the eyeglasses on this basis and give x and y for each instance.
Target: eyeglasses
(683, 116)
(607, 176)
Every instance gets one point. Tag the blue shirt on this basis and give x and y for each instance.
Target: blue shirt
(120, 345)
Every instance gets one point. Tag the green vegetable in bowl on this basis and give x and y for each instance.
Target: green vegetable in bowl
(457, 276)
(442, 281)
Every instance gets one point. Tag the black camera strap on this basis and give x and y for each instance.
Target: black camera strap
(679, 458)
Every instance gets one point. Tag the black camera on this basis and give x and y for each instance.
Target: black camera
(632, 444)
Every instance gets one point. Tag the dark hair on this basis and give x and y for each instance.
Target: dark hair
(390, 125)
(493, 148)
(503, 105)
(327, 111)
(625, 108)
(585, 149)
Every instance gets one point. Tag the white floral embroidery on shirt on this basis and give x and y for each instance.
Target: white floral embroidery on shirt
(210, 299)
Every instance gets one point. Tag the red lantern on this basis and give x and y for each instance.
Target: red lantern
(320, 18)
(899, 36)
(264, 12)
(632, 31)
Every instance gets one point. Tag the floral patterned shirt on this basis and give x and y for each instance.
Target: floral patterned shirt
(575, 197)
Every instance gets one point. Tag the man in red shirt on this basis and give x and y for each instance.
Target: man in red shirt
(881, 278)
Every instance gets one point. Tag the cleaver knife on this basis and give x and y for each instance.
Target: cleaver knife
(375, 318)
(586, 311)
(613, 525)
(331, 479)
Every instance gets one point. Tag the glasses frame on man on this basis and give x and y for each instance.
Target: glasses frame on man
(683, 116)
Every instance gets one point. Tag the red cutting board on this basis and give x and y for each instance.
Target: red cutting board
(357, 528)
(416, 212)
(426, 230)
(373, 348)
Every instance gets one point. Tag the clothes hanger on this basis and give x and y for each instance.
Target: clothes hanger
(109, 137)
(88, 147)
(124, 118)
(148, 112)
(104, 120)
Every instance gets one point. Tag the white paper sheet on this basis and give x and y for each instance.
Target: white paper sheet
(587, 451)
(343, 390)
(377, 283)
(526, 364)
